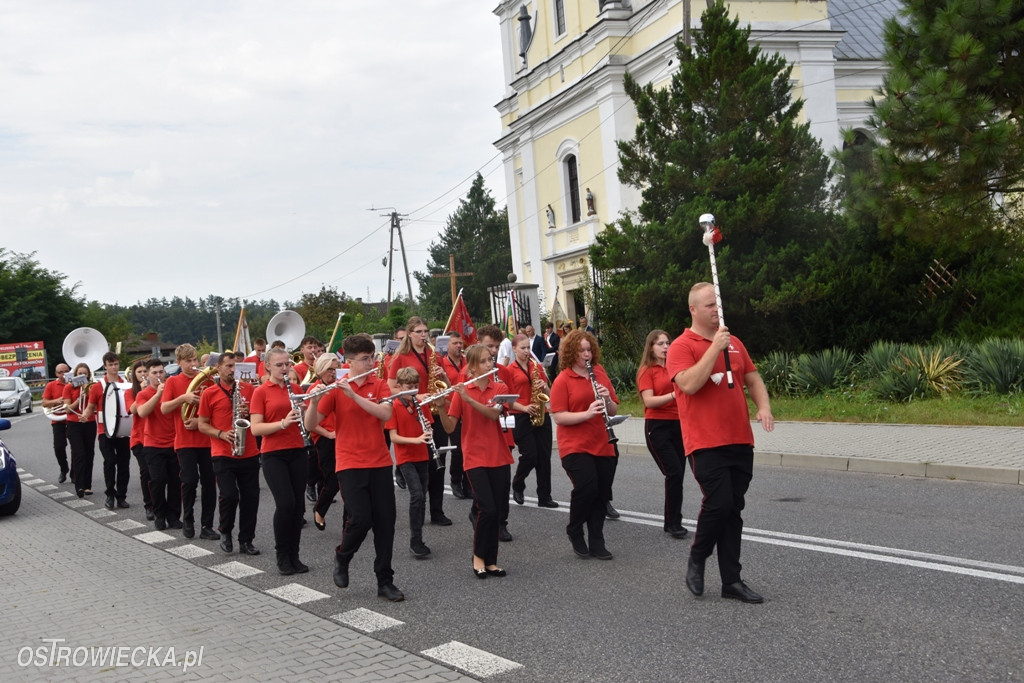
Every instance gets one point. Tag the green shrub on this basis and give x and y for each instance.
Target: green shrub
(824, 370)
(903, 382)
(622, 373)
(879, 358)
(776, 369)
(997, 365)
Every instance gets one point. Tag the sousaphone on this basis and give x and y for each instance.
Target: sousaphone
(288, 327)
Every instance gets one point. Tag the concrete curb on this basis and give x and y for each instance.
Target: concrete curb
(993, 475)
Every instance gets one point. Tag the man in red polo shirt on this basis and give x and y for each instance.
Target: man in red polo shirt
(717, 437)
(191, 446)
(363, 464)
(53, 396)
(158, 449)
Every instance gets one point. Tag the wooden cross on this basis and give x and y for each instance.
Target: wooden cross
(452, 275)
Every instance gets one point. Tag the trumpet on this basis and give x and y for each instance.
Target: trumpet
(442, 394)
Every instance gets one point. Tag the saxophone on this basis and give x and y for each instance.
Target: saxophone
(537, 398)
(239, 423)
(434, 372)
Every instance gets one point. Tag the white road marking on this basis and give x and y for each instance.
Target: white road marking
(189, 551)
(236, 570)
(126, 525)
(154, 537)
(297, 594)
(366, 620)
(476, 662)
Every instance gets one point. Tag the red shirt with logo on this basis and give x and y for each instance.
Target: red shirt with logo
(657, 380)
(73, 393)
(271, 401)
(483, 441)
(183, 438)
(216, 404)
(360, 443)
(573, 393)
(158, 431)
(404, 421)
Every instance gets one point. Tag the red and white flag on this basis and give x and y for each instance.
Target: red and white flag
(460, 321)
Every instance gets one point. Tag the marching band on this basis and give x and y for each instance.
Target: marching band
(210, 431)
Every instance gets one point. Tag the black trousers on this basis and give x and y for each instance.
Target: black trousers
(455, 472)
(435, 474)
(197, 470)
(140, 459)
(490, 486)
(238, 484)
(534, 444)
(316, 475)
(665, 442)
(724, 474)
(60, 443)
(164, 482)
(117, 458)
(369, 497)
(416, 474)
(591, 477)
(82, 439)
(285, 472)
(327, 462)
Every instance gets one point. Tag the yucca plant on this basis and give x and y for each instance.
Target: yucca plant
(902, 382)
(826, 369)
(996, 365)
(776, 369)
(879, 357)
(622, 373)
(941, 372)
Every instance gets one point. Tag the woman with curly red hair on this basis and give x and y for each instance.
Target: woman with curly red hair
(578, 407)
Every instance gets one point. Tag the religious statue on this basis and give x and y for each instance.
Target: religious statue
(525, 32)
(591, 211)
(551, 217)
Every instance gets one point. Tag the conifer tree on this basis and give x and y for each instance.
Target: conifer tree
(723, 137)
(950, 115)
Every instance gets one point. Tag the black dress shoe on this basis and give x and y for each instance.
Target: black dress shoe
(297, 564)
(440, 520)
(547, 503)
(284, 565)
(160, 523)
(419, 550)
(579, 546)
(518, 497)
(497, 571)
(695, 577)
(400, 480)
(740, 591)
(676, 531)
(62, 478)
(246, 548)
(311, 493)
(600, 553)
(208, 534)
(319, 525)
(80, 493)
(188, 530)
(340, 571)
(109, 503)
(226, 545)
(610, 512)
(389, 592)
(480, 573)
(176, 524)
(503, 535)
(149, 514)
(458, 492)
(123, 504)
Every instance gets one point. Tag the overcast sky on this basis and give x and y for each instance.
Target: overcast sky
(185, 148)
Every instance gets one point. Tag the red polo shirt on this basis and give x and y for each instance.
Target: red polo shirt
(158, 431)
(361, 442)
(657, 380)
(404, 421)
(573, 393)
(271, 401)
(215, 404)
(483, 441)
(183, 438)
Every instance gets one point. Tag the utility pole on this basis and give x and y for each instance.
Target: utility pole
(396, 224)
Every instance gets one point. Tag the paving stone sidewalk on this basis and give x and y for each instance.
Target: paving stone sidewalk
(68, 578)
(993, 454)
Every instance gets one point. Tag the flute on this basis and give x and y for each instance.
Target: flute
(442, 394)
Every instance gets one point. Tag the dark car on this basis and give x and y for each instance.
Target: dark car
(15, 396)
(10, 483)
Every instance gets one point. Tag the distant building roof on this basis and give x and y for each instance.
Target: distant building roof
(864, 23)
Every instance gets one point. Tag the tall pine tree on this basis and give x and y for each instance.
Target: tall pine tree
(952, 168)
(723, 137)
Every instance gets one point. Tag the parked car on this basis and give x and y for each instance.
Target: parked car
(10, 483)
(15, 396)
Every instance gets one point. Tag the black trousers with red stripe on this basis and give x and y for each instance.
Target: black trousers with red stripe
(665, 442)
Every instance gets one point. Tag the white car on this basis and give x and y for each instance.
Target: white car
(15, 396)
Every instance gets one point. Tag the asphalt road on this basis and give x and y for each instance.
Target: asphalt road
(866, 578)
